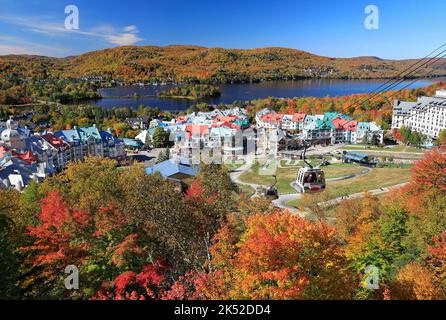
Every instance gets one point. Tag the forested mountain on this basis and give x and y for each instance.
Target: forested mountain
(209, 65)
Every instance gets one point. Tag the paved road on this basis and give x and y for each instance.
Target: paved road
(149, 156)
(284, 199)
(235, 176)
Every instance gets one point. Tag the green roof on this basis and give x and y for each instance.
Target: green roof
(324, 124)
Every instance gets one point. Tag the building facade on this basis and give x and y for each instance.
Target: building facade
(26, 157)
(426, 116)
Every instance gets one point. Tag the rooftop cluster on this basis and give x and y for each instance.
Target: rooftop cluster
(26, 157)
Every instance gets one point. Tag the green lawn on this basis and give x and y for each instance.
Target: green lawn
(284, 178)
(232, 166)
(341, 170)
(287, 175)
(377, 178)
(397, 148)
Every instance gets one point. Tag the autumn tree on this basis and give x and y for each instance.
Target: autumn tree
(353, 214)
(151, 203)
(375, 233)
(425, 200)
(9, 262)
(436, 259)
(416, 282)
(148, 284)
(278, 256)
(441, 141)
(99, 243)
(87, 184)
(161, 138)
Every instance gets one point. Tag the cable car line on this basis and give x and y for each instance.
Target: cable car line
(396, 92)
(386, 87)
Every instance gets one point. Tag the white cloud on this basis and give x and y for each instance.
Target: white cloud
(117, 36)
(123, 39)
(131, 28)
(14, 45)
(11, 49)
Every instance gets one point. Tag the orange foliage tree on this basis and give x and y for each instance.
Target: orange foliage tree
(277, 256)
(415, 282)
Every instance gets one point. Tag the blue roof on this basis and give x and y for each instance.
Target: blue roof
(356, 156)
(169, 168)
(364, 125)
(17, 166)
(86, 133)
(132, 143)
(311, 118)
(35, 144)
(68, 135)
(324, 124)
(83, 134)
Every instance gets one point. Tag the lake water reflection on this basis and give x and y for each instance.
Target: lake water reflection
(244, 92)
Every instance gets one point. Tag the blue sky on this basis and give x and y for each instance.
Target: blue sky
(407, 29)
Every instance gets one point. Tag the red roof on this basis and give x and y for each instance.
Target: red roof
(3, 150)
(196, 129)
(299, 117)
(343, 124)
(54, 141)
(28, 157)
(272, 117)
(182, 119)
(226, 118)
(222, 124)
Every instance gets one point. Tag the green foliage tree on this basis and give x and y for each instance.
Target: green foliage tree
(163, 156)
(161, 138)
(412, 138)
(441, 141)
(374, 141)
(9, 262)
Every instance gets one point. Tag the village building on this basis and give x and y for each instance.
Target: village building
(427, 115)
(26, 157)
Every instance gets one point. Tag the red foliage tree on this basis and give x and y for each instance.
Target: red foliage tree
(99, 241)
(188, 287)
(54, 235)
(429, 174)
(148, 284)
(437, 258)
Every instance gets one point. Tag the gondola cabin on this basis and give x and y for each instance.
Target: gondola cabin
(311, 180)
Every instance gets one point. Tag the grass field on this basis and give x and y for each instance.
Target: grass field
(232, 166)
(397, 148)
(377, 178)
(287, 175)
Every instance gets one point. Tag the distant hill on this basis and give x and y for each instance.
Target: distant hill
(213, 65)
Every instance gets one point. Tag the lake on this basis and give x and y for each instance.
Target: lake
(112, 97)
